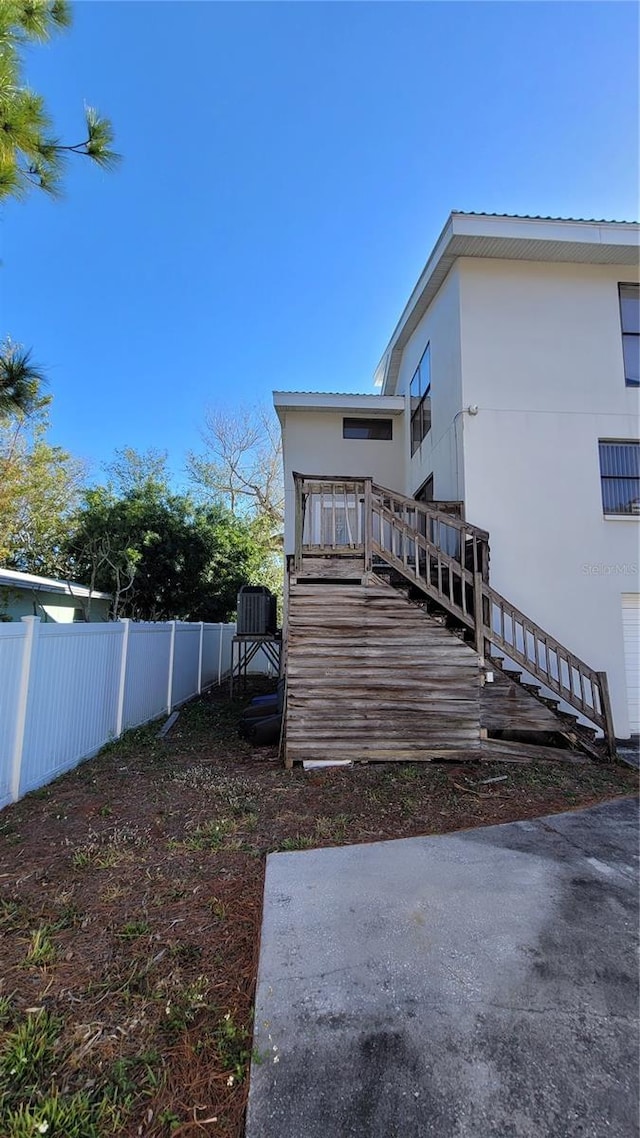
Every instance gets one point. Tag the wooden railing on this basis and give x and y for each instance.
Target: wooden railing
(448, 560)
(331, 516)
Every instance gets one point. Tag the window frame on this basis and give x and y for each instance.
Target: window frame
(629, 336)
(368, 423)
(607, 479)
(420, 421)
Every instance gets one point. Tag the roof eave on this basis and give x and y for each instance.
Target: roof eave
(506, 238)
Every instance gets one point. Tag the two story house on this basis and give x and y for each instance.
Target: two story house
(507, 404)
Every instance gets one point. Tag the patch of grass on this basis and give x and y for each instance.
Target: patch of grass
(184, 1005)
(69, 917)
(133, 929)
(11, 916)
(232, 1047)
(28, 1053)
(41, 950)
(296, 842)
(112, 893)
(218, 908)
(207, 836)
(69, 1116)
(409, 772)
(333, 829)
(6, 1010)
(131, 1077)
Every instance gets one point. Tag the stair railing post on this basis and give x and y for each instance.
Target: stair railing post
(609, 732)
(478, 602)
(368, 524)
(299, 523)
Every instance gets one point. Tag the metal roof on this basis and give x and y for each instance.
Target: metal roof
(345, 401)
(14, 579)
(544, 217)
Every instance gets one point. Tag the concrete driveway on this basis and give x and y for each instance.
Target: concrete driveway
(480, 983)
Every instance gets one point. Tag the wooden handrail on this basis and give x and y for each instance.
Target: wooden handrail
(386, 522)
(428, 511)
(578, 674)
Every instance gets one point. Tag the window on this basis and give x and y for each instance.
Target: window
(367, 429)
(620, 477)
(425, 493)
(420, 392)
(630, 320)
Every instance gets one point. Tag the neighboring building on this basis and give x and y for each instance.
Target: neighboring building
(62, 602)
(510, 386)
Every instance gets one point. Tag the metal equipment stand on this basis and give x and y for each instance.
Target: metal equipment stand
(243, 650)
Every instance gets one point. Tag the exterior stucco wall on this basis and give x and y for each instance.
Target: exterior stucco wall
(312, 443)
(542, 359)
(440, 452)
(53, 607)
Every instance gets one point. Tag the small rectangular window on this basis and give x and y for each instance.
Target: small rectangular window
(367, 429)
(630, 321)
(620, 477)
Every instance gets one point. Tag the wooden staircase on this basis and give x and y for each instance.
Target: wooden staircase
(371, 677)
(398, 663)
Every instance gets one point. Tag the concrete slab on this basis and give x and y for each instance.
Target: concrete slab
(475, 984)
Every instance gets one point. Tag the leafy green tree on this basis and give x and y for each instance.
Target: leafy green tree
(160, 554)
(31, 155)
(39, 490)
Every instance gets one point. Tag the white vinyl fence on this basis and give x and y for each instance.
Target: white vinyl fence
(67, 689)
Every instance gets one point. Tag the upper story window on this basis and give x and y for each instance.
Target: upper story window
(420, 392)
(630, 320)
(620, 477)
(367, 429)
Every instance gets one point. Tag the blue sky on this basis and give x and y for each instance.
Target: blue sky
(287, 168)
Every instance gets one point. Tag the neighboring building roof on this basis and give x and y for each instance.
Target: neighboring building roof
(508, 237)
(12, 579)
(334, 401)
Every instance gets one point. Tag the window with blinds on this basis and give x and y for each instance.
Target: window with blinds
(620, 476)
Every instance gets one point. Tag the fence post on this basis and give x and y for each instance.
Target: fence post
(172, 652)
(221, 627)
(200, 656)
(126, 623)
(30, 637)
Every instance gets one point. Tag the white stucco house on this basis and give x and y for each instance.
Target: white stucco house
(61, 602)
(509, 391)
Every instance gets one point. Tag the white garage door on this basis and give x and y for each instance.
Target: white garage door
(631, 630)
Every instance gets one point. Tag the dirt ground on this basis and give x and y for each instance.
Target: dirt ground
(130, 908)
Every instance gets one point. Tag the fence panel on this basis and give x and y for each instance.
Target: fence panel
(67, 689)
(211, 654)
(228, 633)
(11, 649)
(72, 698)
(147, 679)
(186, 658)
